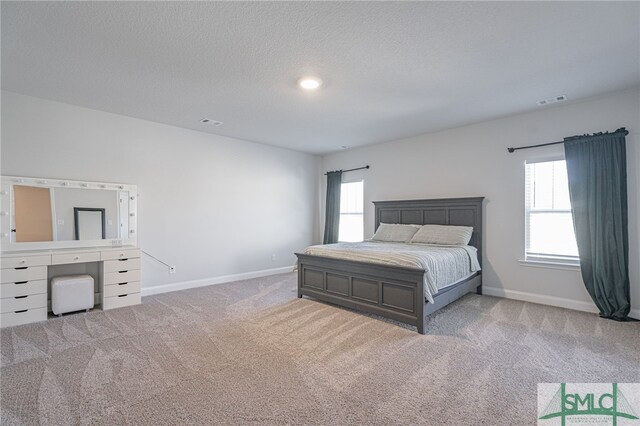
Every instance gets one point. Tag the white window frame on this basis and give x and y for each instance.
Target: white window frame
(353, 181)
(543, 260)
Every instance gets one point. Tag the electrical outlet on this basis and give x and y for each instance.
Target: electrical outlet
(273, 257)
(172, 269)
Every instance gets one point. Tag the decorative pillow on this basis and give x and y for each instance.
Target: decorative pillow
(443, 234)
(395, 233)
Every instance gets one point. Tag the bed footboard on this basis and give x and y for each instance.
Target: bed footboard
(389, 291)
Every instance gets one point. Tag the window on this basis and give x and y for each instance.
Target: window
(549, 226)
(351, 212)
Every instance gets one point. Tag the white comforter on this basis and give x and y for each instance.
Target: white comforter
(443, 265)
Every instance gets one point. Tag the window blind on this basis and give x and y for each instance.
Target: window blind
(351, 212)
(548, 221)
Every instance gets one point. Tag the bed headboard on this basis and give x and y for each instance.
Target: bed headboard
(443, 211)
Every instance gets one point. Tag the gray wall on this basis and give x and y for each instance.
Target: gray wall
(473, 161)
(211, 205)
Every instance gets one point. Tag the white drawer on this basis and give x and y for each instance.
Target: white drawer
(23, 289)
(62, 259)
(120, 301)
(120, 254)
(23, 302)
(24, 317)
(121, 277)
(15, 262)
(121, 265)
(28, 273)
(120, 289)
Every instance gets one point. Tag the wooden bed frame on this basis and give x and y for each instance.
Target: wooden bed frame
(391, 291)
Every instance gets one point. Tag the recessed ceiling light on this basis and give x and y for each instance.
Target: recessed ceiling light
(211, 122)
(310, 83)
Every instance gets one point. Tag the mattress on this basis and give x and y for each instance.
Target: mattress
(443, 265)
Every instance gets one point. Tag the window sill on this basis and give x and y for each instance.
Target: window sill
(539, 263)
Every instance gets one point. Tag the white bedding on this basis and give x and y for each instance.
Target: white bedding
(443, 265)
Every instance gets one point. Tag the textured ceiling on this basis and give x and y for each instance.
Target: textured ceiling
(390, 69)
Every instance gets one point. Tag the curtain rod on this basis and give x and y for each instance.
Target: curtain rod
(511, 150)
(349, 170)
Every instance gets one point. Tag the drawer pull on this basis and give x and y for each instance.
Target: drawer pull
(19, 312)
(122, 283)
(76, 258)
(122, 260)
(21, 297)
(20, 268)
(123, 295)
(122, 272)
(21, 282)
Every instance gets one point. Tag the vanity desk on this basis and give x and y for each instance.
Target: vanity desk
(24, 280)
(58, 227)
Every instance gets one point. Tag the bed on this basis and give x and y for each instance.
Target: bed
(396, 291)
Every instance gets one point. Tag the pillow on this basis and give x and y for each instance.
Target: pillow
(395, 233)
(443, 234)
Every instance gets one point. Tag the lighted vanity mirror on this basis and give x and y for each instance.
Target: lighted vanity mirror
(40, 213)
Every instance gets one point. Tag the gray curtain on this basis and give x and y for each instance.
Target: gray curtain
(597, 171)
(332, 215)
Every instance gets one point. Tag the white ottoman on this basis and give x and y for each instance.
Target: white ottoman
(71, 293)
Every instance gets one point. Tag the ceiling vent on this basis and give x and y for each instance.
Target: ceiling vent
(553, 100)
(211, 122)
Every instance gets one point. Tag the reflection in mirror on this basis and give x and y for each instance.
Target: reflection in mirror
(65, 199)
(38, 213)
(47, 214)
(89, 223)
(32, 207)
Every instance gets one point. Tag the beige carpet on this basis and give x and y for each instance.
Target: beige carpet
(251, 352)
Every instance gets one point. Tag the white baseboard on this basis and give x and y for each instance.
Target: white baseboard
(576, 305)
(183, 285)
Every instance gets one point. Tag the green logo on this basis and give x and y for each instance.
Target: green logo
(586, 400)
